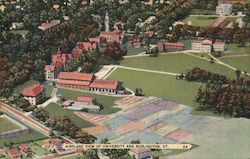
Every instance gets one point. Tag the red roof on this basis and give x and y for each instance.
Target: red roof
(150, 33)
(232, 1)
(53, 66)
(87, 46)
(110, 33)
(55, 141)
(14, 153)
(179, 44)
(24, 147)
(86, 99)
(73, 82)
(94, 40)
(140, 150)
(33, 91)
(76, 76)
(105, 84)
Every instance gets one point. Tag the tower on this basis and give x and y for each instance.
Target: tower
(106, 21)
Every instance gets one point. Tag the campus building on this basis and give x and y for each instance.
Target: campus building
(224, 9)
(141, 153)
(34, 94)
(112, 36)
(87, 82)
(49, 25)
(52, 71)
(206, 45)
(170, 46)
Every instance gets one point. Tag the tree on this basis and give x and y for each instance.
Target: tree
(91, 154)
(113, 51)
(238, 73)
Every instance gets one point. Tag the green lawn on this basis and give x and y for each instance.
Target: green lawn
(6, 125)
(160, 85)
(176, 63)
(241, 63)
(202, 21)
(57, 111)
(38, 149)
(203, 11)
(106, 101)
(233, 49)
(21, 32)
(33, 135)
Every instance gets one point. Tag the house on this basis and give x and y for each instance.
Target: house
(34, 94)
(87, 46)
(224, 9)
(206, 45)
(14, 153)
(112, 36)
(52, 71)
(56, 145)
(231, 1)
(170, 46)
(86, 100)
(141, 153)
(49, 25)
(2, 153)
(135, 42)
(75, 80)
(25, 149)
(105, 86)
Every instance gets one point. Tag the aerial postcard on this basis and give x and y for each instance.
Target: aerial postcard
(124, 79)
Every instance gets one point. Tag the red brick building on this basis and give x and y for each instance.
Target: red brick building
(34, 94)
(87, 82)
(170, 46)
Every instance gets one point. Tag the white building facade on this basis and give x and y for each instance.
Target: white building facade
(224, 9)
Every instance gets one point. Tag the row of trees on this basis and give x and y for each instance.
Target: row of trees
(200, 75)
(235, 34)
(232, 99)
(64, 125)
(22, 103)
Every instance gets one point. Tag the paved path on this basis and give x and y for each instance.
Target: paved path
(145, 70)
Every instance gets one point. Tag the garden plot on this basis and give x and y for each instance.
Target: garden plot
(179, 134)
(116, 122)
(156, 126)
(166, 129)
(131, 126)
(93, 118)
(96, 130)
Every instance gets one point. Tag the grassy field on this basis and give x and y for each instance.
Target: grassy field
(6, 125)
(161, 86)
(38, 149)
(233, 49)
(241, 63)
(57, 111)
(176, 63)
(201, 21)
(203, 11)
(33, 135)
(106, 101)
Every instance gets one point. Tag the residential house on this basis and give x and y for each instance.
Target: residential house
(170, 46)
(224, 9)
(34, 94)
(56, 145)
(26, 149)
(141, 153)
(14, 153)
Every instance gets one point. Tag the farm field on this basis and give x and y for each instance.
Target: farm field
(161, 86)
(6, 125)
(106, 101)
(201, 21)
(241, 63)
(57, 111)
(176, 63)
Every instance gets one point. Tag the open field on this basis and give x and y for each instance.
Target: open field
(6, 125)
(241, 63)
(57, 111)
(106, 101)
(38, 149)
(233, 49)
(201, 21)
(176, 63)
(161, 86)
